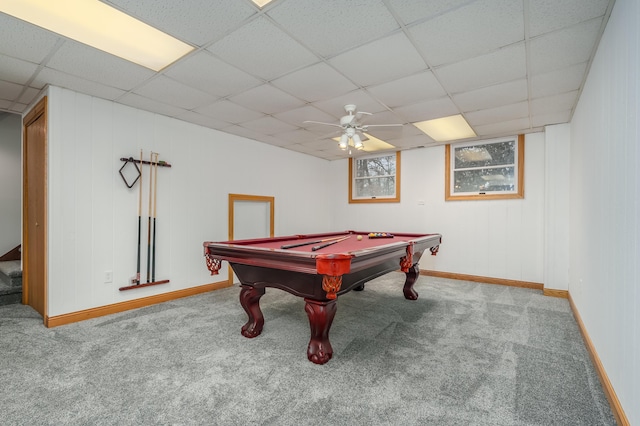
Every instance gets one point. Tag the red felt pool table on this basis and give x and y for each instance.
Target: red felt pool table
(318, 275)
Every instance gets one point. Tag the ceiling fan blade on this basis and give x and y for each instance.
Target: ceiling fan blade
(320, 122)
(381, 125)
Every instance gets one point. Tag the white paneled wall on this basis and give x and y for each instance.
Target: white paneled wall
(557, 212)
(604, 278)
(497, 238)
(93, 216)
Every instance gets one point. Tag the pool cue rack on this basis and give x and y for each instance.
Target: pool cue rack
(153, 167)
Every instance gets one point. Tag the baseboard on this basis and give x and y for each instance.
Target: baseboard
(614, 402)
(100, 311)
(480, 279)
(564, 294)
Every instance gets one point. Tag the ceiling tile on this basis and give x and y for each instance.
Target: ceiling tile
(332, 26)
(297, 60)
(203, 70)
(25, 41)
(295, 136)
(9, 91)
(150, 105)
(550, 15)
(314, 83)
(202, 120)
(511, 127)
(427, 110)
(61, 79)
(228, 111)
(408, 90)
(555, 103)
(194, 21)
(563, 48)
(250, 48)
(360, 98)
(247, 133)
(492, 96)
(322, 144)
(29, 95)
(480, 27)
(169, 91)
(297, 116)
(558, 81)
(411, 10)
(550, 118)
(268, 125)
(16, 70)
(267, 99)
(380, 61)
(497, 67)
(501, 113)
(95, 65)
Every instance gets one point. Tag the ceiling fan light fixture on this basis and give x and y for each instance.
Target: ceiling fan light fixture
(357, 142)
(344, 142)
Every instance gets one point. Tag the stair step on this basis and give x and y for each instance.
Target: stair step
(11, 272)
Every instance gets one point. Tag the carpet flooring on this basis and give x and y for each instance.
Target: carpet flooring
(462, 354)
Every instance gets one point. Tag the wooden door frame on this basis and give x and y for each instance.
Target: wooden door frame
(253, 198)
(39, 110)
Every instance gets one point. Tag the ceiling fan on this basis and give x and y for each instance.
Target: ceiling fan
(352, 127)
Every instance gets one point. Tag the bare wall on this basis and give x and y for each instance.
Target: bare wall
(93, 216)
(496, 238)
(604, 275)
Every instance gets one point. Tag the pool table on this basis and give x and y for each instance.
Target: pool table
(318, 268)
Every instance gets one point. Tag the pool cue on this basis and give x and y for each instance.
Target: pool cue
(288, 246)
(314, 248)
(149, 223)
(139, 221)
(155, 209)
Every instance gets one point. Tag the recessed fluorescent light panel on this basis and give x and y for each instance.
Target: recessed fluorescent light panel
(101, 26)
(446, 129)
(261, 3)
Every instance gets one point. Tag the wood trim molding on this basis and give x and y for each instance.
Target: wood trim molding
(254, 198)
(485, 280)
(563, 294)
(614, 402)
(115, 308)
(40, 109)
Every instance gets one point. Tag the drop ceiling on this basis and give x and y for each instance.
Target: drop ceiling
(508, 66)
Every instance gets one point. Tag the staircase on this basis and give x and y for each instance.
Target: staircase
(11, 277)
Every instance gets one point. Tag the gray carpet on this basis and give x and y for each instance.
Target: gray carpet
(462, 354)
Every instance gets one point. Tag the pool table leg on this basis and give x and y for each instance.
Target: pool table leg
(250, 301)
(321, 316)
(412, 276)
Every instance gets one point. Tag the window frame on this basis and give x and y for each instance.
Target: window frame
(518, 173)
(374, 199)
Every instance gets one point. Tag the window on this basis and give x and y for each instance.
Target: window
(486, 170)
(375, 179)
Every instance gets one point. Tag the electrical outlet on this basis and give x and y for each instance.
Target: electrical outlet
(108, 276)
